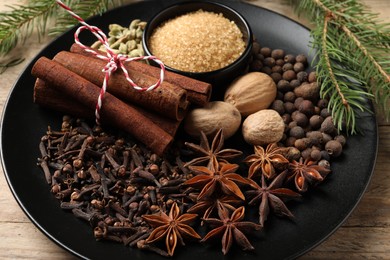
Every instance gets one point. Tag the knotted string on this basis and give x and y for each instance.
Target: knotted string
(114, 61)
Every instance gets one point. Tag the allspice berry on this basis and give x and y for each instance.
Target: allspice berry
(283, 85)
(312, 77)
(315, 155)
(302, 76)
(301, 144)
(306, 107)
(341, 139)
(327, 126)
(300, 118)
(287, 66)
(289, 58)
(297, 132)
(334, 148)
(289, 75)
(289, 107)
(316, 121)
(269, 62)
(277, 54)
(301, 58)
(324, 163)
(265, 51)
(278, 106)
(298, 67)
(289, 96)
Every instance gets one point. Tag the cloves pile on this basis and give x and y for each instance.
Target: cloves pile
(111, 182)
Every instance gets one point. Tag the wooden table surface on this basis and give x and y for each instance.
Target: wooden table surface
(366, 233)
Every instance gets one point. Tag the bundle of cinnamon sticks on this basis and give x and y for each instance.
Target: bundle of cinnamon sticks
(71, 82)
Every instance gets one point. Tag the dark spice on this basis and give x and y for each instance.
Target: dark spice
(211, 154)
(271, 196)
(173, 227)
(264, 161)
(231, 228)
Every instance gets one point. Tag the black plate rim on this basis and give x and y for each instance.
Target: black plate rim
(75, 253)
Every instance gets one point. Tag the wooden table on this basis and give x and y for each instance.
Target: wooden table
(366, 233)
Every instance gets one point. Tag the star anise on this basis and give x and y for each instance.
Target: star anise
(210, 180)
(265, 161)
(270, 196)
(231, 228)
(172, 227)
(211, 155)
(209, 206)
(305, 173)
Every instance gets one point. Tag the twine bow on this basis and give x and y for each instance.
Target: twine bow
(114, 61)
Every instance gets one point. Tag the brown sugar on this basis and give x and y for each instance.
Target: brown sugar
(199, 41)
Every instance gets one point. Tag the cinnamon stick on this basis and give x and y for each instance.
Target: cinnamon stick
(48, 96)
(168, 100)
(198, 92)
(114, 111)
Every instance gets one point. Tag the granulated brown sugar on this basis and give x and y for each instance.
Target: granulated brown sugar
(199, 41)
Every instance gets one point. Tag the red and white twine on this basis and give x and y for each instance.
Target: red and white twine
(113, 60)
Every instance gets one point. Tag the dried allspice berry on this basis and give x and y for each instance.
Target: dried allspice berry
(334, 148)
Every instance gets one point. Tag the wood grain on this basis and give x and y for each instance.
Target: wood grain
(365, 235)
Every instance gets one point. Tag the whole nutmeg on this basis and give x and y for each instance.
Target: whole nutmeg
(334, 148)
(263, 127)
(212, 117)
(252, 92)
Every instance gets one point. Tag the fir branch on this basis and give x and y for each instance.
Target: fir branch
(17, 24)
(353, 49)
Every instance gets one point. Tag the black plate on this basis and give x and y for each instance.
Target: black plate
(320, 213)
